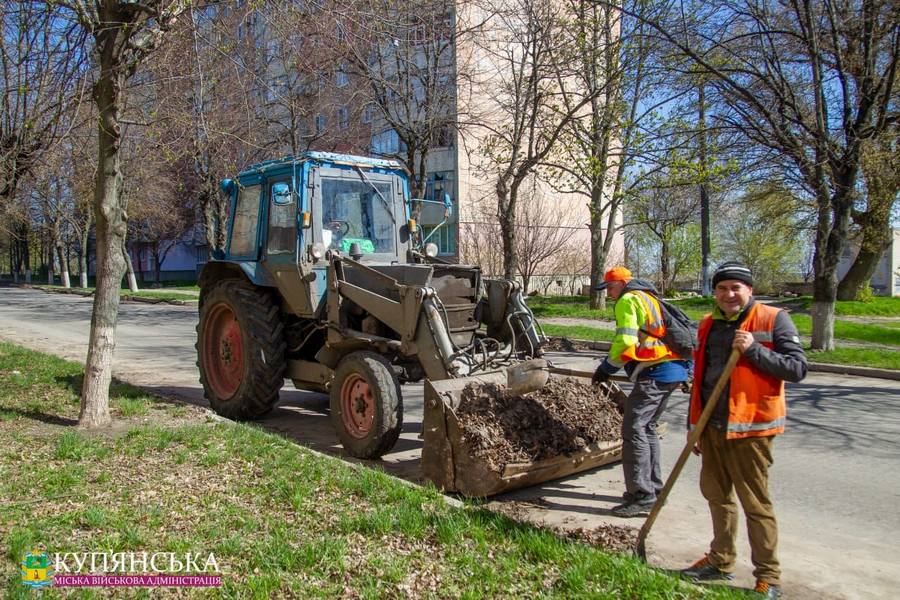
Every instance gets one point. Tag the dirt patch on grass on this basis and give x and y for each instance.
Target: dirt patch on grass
(564, 344)
(563, 417)
(615, 538)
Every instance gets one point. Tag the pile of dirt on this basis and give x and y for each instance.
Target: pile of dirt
(563, 417)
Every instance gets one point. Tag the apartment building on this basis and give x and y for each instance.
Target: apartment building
(437, 72)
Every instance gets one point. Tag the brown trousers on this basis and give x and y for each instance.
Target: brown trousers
(740, 466)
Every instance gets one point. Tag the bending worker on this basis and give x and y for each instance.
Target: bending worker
(736, 445)
(656, 372)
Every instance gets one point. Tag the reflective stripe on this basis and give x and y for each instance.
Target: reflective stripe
(651, 342)
(626, 331)
(762, 336)
(654, 319)
(615, 362)
(744, 427)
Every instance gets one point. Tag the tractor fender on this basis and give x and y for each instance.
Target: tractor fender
(216, 270)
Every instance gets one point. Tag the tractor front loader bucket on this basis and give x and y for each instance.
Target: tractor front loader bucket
(449, 462)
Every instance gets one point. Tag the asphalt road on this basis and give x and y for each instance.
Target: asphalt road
(835, 481)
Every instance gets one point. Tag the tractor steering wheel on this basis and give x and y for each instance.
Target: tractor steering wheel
(339, 226)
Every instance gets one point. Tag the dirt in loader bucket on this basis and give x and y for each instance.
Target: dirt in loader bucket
(562, 418)
(479, 440)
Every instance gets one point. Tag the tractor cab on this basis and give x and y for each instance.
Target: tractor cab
(297, 209)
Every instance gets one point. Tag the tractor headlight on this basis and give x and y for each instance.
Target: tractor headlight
(431, 249)
(317, 251)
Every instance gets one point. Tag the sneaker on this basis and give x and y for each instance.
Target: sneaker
(635, 508)
(703, 570)
(767, 590)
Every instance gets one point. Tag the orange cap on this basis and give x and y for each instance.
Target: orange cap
(615, 274)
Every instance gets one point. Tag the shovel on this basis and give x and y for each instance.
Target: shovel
(641, 550)
(527, 376)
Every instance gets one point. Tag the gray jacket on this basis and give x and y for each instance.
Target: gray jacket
(785, 361)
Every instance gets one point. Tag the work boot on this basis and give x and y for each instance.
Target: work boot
(767, 590)
(636, 508)
(703, 570)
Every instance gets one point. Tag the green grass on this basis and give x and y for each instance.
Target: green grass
(160, 295)
(281, 520)
(575, 307)
(878, 306)
(849, 330)
(580, 332)
(157, 294)
(861, 357)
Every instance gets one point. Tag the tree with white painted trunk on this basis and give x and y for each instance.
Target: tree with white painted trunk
(123, 35)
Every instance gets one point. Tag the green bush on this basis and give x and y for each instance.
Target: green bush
(865, 293)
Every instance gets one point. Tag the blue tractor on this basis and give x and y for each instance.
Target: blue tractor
(326, 280)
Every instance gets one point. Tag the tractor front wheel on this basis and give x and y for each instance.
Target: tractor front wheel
(366, 408)
(240, 349)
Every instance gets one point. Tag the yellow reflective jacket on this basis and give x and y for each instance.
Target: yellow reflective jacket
(639, 327)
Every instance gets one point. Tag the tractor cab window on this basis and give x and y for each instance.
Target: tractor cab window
(354, 211)
(246, 218)
(282, 219)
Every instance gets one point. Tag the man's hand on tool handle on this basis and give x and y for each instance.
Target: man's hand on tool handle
(742, 341)
(696, 448)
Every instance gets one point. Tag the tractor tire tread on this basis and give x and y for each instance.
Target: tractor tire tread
(256, 309)
(389, 422)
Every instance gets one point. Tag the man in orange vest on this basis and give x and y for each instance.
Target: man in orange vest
(656, 372)
(736, 445)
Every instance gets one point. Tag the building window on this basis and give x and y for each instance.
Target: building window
(369, 112)
(445, 137)
(438, 184)
(387, 142)
(343, 116)
(320, 124)
(445, 237)
(340, 77)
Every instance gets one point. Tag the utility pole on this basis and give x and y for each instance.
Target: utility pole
(704, 198)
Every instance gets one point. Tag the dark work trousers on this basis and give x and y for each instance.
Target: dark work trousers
(640, 444)
(740, 467)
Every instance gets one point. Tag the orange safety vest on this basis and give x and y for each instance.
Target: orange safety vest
(649, 347)
(756, 405)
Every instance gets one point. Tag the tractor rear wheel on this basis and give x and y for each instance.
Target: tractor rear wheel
(240, 349)
(366, 408)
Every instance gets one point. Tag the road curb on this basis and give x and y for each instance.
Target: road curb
(813, 366)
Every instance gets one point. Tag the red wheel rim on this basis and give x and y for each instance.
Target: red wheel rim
(223, 351)
(357, 406)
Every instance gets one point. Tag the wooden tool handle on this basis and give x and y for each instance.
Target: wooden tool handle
(686, 452)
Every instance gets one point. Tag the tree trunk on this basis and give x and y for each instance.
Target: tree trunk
(506, 216)
(83, 255)
(598, 248)
(664, 267)
(129, 269)
(831, 237)
(880, 168)
(63, 267)
(875, 241)
(110, 233)
(157, 267)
